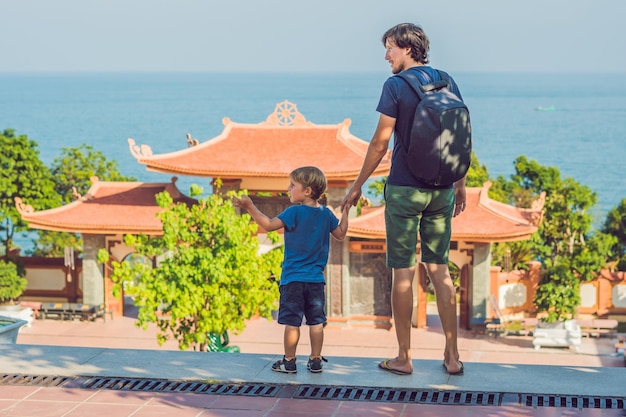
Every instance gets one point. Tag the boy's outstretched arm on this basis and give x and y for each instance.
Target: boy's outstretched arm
(261, 219)
(340, 231)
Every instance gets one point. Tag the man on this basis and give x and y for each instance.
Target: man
(411, 205)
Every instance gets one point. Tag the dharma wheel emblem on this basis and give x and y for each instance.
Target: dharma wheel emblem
(286, 113)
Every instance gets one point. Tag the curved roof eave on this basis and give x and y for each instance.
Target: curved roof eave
(91, 230)
(381, 171)
(107, 208)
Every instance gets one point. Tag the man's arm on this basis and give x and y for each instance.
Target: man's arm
(376, 151)
(460, 197)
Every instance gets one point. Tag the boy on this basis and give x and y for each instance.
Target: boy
(308, 226)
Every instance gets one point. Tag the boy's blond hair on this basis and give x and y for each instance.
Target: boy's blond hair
(310, 177)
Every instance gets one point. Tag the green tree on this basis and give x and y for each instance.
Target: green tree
(477, 175)
(594, 255)
(509, 192)
(72, 172)
(377, 186)
(558, 294)
(567, 220)
(22, 174)
(12, 285)
(615, 225)
(564, 243)
(210, 277)
(512, 255)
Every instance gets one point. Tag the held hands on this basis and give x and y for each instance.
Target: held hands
(351, 198)
(345, 211)
(342, 229)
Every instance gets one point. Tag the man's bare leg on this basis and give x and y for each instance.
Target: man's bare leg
(402, 306)
(439, 275)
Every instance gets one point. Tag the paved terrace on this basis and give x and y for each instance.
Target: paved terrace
(115, 369)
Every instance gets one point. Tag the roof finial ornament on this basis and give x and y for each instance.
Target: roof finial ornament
(539, 202)
(536, 206)
(23, 207)
(191, 141)
(75, 194)
(139, 151)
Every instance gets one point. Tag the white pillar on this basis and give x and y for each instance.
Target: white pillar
(93, 278)
(479, 292)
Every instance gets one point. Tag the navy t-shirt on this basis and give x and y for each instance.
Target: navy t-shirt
(307, 241)
(398, 100)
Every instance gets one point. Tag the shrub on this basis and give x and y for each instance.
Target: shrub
(12, 285)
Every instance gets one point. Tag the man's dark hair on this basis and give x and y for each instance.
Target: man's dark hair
(410, 35)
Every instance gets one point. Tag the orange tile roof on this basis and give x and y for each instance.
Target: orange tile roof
(270, 149)
(484, 220)
(107, 208)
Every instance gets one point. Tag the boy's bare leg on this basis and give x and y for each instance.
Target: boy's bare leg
(439, 275)
(290, 341)
(316, 334)
(402, 306)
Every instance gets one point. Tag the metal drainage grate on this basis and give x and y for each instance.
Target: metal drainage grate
(316, 392)
(572, 401)
(147, 385)
(152, 385)
(398, 395)
(36, 380)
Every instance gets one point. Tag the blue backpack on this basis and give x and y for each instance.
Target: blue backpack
(440, 147)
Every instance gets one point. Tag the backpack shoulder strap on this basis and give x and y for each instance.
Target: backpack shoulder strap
(443, 75)
(413, 81)
(419, 88)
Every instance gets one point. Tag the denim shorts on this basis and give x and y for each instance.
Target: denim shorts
(409, 210)
(302, 299)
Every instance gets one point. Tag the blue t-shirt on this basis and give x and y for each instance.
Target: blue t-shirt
(398, 100)
(307, 239)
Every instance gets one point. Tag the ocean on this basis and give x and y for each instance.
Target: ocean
(574, 122)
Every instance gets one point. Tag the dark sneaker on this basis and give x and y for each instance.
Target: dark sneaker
(315, 365)
(285, 366)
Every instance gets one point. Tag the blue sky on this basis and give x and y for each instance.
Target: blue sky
(297, 36)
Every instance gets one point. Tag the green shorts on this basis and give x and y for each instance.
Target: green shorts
(409, 210)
